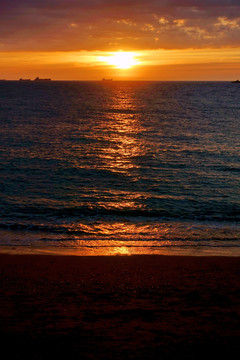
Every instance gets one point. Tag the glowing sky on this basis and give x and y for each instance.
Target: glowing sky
(76, 39)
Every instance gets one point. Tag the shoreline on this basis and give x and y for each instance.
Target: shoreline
(119, 307)
(121, 250)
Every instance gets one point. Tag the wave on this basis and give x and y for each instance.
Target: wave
(171, 246)
(40, 228)
(158, 229)
(193, 211)
(229, 169)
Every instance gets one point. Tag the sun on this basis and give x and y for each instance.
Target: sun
(121, 59)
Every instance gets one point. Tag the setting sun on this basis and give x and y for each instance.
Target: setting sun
(121, 60)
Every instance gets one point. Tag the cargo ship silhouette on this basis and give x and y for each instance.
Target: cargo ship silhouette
(36, 79)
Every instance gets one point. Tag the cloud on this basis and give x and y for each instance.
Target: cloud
(64, 25)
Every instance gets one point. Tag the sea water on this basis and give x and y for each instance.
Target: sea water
(120, 167)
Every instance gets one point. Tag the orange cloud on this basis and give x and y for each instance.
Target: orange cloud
(57, 25)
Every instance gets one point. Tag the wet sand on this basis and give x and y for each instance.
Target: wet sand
(119, 307)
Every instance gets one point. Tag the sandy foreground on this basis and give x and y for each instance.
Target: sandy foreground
(119, 307)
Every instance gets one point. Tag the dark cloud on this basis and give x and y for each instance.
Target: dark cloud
(126, 24)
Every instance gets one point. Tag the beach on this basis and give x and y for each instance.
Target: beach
(119, 307)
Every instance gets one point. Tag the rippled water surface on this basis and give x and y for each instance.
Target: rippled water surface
(128, 167)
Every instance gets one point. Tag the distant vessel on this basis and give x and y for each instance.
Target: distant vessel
(24, 79)
(107, 80)
(236, 82)
(38, 79)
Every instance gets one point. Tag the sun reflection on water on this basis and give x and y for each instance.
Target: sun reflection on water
(118, 132)
(121, 130)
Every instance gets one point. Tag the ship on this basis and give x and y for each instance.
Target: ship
(236, 82)
(39, 79)
(107, 80)
(24, 79)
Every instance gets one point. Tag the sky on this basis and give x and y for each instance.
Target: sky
(88, 39)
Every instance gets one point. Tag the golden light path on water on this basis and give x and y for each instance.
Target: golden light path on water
(120, 130)
(116, 149)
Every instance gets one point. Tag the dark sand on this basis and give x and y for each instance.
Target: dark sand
(136, 307)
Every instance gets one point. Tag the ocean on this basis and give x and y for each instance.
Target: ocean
(120, 167)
